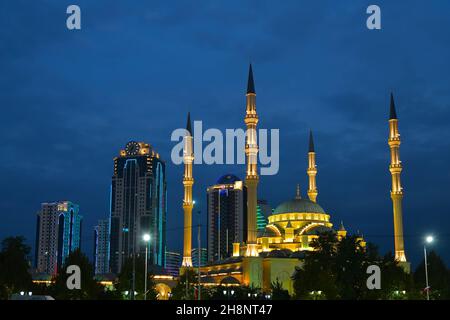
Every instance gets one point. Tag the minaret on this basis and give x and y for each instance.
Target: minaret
(312, 170)
(251, 153)
(397, 191)
(188, 181)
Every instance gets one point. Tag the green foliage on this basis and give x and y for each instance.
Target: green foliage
(90, 289)
(278, 292)
(438, 278)
(185, 291)
(14, 275)
(337, 270)
(125, 280)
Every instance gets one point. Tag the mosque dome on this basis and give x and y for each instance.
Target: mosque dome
(228, 179)
(299, 205)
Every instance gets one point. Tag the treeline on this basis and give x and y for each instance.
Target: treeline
(15, 276)
(338, 270)
(334, 270)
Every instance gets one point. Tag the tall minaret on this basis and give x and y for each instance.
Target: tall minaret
(397, 191)
(251, 178)
(188, 181)
(312, 170)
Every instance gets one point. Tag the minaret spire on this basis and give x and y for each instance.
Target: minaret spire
(312, 170)
(251, 153)
(397, 191)
(393, 112)
(298, 194)
(250, 83)
(188, 125)
(188, 181)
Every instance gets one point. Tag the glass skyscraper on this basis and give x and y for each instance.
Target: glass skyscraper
(227, 216)
(58, 232)
(101, 247)
(173, 263)
(263, 210)
(203, 257)
(138, 205)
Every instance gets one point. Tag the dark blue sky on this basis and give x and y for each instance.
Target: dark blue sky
(71, 99)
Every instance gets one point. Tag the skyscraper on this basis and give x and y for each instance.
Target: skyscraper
(58, 232)
(227, 216)
(173, 263)
(101, 247)
(263, 210)
(138, 205)
(203, 256)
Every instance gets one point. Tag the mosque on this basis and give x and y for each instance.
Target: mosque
(273, 255)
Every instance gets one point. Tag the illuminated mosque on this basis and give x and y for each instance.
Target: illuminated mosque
(273, 255)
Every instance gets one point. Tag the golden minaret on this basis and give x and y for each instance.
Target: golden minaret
(397, 191)
(251, 153)
(312, 170)
(188, 181)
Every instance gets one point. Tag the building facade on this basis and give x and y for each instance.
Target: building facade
(276, 251)
(263, 210)
(58, 232)
(227, 216)
(173, 263)
(138, 205)
(101, 247)
(203, 257)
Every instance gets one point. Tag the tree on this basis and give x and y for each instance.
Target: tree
(350, 268)
(183, 290)
(278, 292)
(316, 278)
(438, 277)
(395, 282)
(14, 275)
(125, 279)
(90, 289)
(338, 270)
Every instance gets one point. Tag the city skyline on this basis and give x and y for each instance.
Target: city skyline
(348, 116)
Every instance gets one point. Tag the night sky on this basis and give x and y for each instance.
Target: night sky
(70, 100)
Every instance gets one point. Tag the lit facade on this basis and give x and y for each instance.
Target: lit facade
(273, 252)
(58, 232)
(227, 216)
(138, 205)
(263, 210)
(251, 178)
(188, 202)
(395, 168)
(203, 257)
(173, 263)
(101, 247)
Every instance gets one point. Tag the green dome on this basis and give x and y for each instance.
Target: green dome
(299, 205)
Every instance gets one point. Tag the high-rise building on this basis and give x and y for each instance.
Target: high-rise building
(173, 263)
(227, 216)
(138, 205)
(203, 257)
(58, 232)
(263, 210)
(101, 247)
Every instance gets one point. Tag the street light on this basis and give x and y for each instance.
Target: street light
(429, 239)
(146, 238)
